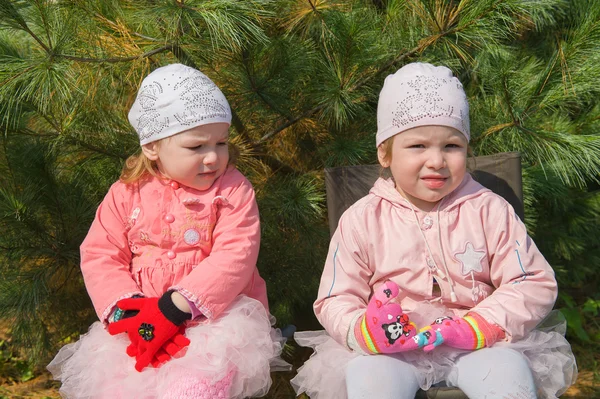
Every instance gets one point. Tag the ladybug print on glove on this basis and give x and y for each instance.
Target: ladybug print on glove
(146, 331)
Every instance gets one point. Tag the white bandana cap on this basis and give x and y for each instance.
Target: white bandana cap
(175, 98)
(421, 94)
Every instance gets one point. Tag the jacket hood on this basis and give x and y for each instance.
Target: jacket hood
(468, 189)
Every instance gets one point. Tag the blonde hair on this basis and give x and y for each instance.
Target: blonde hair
(139, 166)
(386, 148)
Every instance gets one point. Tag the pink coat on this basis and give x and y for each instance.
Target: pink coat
(495, 268)
(152, 236)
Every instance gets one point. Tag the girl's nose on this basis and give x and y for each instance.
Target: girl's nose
(210, 157)
(436, 159)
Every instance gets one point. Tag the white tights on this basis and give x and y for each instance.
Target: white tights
(490, 373)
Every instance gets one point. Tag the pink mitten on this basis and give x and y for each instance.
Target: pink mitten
(462, 333)
(384, 328)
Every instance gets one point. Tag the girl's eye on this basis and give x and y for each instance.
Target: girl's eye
(222, 144)
(416, 146)
(195, 147)
(453, 146)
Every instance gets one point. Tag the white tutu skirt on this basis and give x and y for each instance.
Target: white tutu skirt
(547, 351)
(239, 347)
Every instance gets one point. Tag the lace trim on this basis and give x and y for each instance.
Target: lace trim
(194, 299)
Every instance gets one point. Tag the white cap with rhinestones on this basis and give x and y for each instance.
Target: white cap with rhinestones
(421, 94)
(175, 98)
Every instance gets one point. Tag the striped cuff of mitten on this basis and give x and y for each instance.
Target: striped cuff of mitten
(352, 340)
(364, 337)
(490, 332)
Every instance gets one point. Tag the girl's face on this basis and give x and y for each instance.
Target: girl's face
(428, 163)
(195, 157)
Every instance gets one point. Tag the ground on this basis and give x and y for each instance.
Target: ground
(41, 387)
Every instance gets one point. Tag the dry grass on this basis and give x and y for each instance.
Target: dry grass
(41, 387)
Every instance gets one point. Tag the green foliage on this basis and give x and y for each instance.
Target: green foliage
(302, 78)
(44, 216)
(13, 368)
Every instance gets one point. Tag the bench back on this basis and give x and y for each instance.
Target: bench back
(501, 173)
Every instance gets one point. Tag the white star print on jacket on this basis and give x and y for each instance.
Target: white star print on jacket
(470, 259)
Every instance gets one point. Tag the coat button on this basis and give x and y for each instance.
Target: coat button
(169, 218)
(431, 264)
(171, 255)
(174, 185)
(427, 223)
(191, 237)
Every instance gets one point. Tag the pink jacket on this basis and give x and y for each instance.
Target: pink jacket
(152, 236)
(494, 266)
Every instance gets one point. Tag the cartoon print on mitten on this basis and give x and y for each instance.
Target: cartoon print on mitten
(385, 328)
(402, 326)
(463, 333)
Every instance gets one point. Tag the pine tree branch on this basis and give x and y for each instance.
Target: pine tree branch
(515, 122)
(37, 39)
(67, 278)
(48, 48)
(183, 57)
(71, 140)
(356, 86)
(113, 60)
(388, 65)
(10, 9)
(423, 44)
(507, 98)
(44, 22)
(256, 89)
(7, 159)
(50, 52)
(497, 128)
(290, 123)
(118, 28)
(239, 126)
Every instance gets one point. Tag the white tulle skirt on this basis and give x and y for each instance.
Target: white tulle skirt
(548, 353)
(240, 347)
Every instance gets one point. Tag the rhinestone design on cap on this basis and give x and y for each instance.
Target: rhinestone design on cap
(421, 94)
(173, 99)
(199, 100)
(150, 122)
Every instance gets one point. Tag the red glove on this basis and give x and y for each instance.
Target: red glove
(385, 328)
(462, 333)
(156, 323)
(169, 349)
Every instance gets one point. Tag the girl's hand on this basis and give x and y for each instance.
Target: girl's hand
(149, 331)
(385, 328)
(457, 333)
(173, 346)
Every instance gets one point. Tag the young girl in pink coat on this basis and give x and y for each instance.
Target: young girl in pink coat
(430, 247)
(170, 261)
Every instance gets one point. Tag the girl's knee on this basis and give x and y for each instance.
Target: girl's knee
(380, 376)
(494, 373)
(509, 359)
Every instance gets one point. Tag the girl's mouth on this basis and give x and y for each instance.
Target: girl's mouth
(433, 183)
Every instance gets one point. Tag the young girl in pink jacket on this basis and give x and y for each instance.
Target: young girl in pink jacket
(170, 261)
(431, 278)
